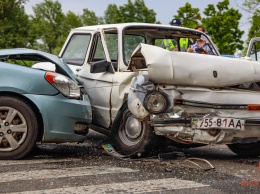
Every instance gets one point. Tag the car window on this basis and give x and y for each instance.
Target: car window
(76, 49)
(161, 42)
(112, 45)
(130, 43)
(99, 52)
(255, 51)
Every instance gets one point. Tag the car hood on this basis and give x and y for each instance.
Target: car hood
(191, 69)
(39, 56)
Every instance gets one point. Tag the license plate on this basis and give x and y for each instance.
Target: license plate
(217, 122)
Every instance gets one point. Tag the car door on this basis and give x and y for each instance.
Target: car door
(98, 84)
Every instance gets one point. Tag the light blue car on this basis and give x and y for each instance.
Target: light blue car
(38, 105)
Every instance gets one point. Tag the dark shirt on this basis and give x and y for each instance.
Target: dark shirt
(204, 47)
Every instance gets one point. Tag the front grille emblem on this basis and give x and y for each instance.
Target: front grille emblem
(215, 74)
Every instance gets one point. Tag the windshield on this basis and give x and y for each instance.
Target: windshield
(130, 43)
(75, 52)
(169, 38)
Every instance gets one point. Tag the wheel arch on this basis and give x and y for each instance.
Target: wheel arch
(145, 142)
(33, 106)
(117, 120)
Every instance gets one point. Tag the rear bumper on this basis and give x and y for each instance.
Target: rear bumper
(60, 114)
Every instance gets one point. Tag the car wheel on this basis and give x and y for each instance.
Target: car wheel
(18, 128)
(246, 149)
(133, 137)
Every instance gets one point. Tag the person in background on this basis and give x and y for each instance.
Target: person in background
(200, 46)
(171, 45)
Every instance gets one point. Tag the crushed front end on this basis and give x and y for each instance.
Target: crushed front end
(196, 115)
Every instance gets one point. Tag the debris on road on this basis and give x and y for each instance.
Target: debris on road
(198, 162)
(111, 151)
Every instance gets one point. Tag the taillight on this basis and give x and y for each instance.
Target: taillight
(65, 85)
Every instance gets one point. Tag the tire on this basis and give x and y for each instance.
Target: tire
(246, 150)
(132, 137)
(18, 128)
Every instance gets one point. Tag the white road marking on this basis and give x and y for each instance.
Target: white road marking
(147, 186)
(61, 173)
(35, 161)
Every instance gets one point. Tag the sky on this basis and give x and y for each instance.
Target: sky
(164, 9)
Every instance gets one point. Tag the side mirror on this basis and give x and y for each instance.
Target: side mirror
(101, 67)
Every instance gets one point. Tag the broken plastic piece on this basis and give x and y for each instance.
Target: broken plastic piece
(191, 160)
(170, 155)
(111, 151)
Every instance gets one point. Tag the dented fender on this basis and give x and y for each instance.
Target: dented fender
(138, 90)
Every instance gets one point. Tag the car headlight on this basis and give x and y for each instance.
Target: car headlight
(155, 102)
(65, 85)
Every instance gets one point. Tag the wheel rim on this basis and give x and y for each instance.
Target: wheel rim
(13, 129)
(131, 131)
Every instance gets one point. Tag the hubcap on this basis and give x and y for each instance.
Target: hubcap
(133, 128)
(131, 131)
(13, 129)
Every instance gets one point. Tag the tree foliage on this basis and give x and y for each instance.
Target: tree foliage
(14, 24)
(131, 12)
(189, 16)
(253, 7)
(254, 31)
(89, 18)
(72, 21)
(222, 25)
(48, 25)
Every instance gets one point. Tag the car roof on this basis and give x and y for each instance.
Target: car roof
(124, 25)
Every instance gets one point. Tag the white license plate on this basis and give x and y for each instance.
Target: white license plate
(217, 122)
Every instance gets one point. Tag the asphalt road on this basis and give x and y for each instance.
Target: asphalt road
(87, 168)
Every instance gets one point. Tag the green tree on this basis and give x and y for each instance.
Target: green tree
(131, 12)
(14, 24)
(89, 18)
(222, 25)
(71, 21)
(189, 16)
(253, 7)
(255, 25)
(48, 25)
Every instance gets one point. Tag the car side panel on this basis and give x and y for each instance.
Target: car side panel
(22, 79)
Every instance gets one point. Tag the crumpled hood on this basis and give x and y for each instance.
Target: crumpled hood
(183, 68)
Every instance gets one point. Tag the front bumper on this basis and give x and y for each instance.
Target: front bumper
(181, 130)
(190, 102)
(60, 114)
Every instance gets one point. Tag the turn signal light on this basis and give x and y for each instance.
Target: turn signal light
(253, 107)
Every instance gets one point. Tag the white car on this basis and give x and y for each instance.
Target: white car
(139, 91)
